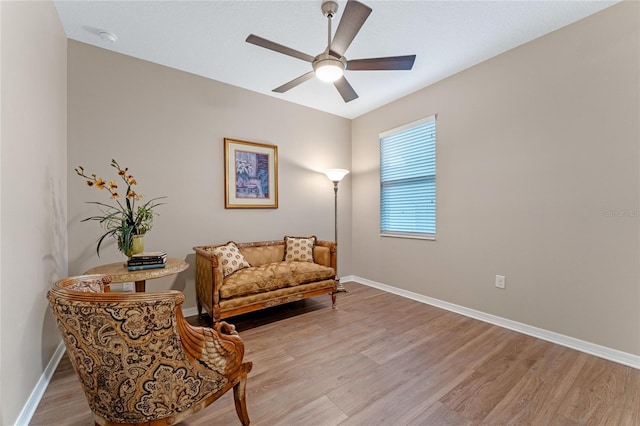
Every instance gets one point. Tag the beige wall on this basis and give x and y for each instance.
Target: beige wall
(537, 179)
(168, 127)
(33, 185)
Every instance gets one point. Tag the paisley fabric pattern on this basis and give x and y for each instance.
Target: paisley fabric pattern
(130, 359)
(91, 284)
(273, 276)
(161, 389)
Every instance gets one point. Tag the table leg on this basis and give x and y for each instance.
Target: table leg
(140, 286)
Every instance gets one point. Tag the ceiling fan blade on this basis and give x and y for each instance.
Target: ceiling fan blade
(388, 63)
(293, 83)
(345, 89)
(353, 17)
(267, 44)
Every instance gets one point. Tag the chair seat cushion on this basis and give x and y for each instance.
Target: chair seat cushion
(272, 276)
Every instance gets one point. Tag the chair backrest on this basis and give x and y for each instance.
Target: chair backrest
(127, 352)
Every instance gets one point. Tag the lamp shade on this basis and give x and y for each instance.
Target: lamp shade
(336, 175)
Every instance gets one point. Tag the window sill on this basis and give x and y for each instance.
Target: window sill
(411, 237)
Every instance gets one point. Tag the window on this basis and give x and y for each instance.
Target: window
(408, 180)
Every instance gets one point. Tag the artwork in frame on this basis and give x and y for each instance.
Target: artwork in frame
(250, 175)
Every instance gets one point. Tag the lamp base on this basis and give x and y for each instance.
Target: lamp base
(340, 288)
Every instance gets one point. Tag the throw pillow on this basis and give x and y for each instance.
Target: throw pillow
(299, 249)
(230, 259)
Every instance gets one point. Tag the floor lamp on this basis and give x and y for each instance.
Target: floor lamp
(335, 176)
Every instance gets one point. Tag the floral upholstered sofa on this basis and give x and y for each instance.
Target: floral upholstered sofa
(232, 279)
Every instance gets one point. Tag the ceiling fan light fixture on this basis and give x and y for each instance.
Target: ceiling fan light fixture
(329, 69)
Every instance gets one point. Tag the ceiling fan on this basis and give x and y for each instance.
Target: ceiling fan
(330, 65)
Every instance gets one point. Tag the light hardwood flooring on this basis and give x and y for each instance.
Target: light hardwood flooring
(381, 359)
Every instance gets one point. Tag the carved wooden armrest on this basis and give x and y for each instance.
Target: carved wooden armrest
(219, 349)
(95, 283)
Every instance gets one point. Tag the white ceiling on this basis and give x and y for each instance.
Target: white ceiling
(207, 38)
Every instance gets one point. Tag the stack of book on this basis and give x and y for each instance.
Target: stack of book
(147, 260)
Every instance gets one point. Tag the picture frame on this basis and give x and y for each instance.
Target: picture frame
(250, 175)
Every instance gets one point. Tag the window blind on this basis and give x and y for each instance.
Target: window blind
(408, 180)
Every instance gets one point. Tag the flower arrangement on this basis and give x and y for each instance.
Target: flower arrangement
(243, 171)
(121, 221)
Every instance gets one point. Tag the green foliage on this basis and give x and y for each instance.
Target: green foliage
(119, 221)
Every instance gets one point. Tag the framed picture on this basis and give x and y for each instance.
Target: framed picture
(250, 175)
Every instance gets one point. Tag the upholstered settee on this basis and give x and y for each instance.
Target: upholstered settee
(232, 279)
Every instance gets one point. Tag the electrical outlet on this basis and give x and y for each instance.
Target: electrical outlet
(127, 287)
(500, 281)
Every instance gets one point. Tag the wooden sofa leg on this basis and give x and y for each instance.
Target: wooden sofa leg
(333, 300)
(239, 396)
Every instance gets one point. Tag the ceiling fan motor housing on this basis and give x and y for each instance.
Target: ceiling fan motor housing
(329, 8)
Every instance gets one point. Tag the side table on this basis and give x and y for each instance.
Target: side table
(120, 274)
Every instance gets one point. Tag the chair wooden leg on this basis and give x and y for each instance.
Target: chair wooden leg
(239, 396)
(333, 300)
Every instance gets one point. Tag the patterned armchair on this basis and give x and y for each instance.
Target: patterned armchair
(138, 360)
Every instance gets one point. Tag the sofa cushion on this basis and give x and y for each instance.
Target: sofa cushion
(261, 255)
(230, 259)
(299, 249)
(272, 276)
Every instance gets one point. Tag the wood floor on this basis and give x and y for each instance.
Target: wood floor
(380, 359)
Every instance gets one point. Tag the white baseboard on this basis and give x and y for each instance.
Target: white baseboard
(550, 336)
(190, 312)
(36, 394)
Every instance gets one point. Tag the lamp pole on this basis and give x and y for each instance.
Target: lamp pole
(335, 176)
(335, 211)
